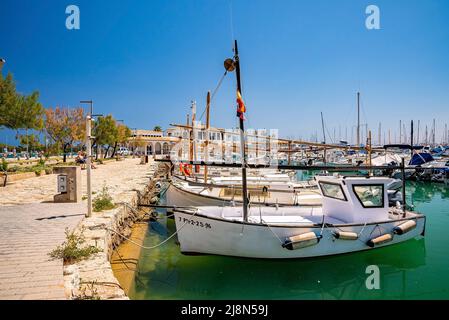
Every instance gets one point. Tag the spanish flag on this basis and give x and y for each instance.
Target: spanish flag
(241, 109)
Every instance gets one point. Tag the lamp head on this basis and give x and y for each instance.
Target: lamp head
(229, 65)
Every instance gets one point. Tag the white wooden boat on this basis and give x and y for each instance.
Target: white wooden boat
(185, 192)
(355, 216)
(189, 193)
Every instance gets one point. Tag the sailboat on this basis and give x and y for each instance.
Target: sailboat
(355, 216)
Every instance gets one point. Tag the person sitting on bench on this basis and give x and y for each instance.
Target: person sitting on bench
(81, 159)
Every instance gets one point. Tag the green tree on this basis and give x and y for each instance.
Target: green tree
(105, 132)
(31, 113)
(137, 143)
(19, 111)
(123, 133)
(157, 128)
(9, 103)
(32, 141)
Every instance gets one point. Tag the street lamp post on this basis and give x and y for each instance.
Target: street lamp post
(89, 156)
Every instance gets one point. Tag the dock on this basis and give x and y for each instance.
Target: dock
(31, 226)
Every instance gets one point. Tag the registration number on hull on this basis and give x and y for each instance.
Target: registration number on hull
(195, 223)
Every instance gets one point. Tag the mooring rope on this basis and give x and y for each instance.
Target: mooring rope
(155, 246)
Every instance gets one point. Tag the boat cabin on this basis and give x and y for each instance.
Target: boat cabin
(354, 199)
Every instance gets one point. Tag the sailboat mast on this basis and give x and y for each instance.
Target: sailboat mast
(192, 132)
(358, 119)
(206, 151)
(324, 137)
(322, 127)
(242, 137)
(433, 133)
(417, 138)
(445, 133)
(427, 136)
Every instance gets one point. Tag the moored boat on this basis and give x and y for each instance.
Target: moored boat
(355, 216)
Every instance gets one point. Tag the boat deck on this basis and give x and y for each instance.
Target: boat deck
(304, 197)
(286, 215)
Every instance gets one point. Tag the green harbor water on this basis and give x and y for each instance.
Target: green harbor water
(416, 269)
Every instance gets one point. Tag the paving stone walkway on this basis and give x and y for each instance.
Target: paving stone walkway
(117, 175)
(27, 234)
(31, 226)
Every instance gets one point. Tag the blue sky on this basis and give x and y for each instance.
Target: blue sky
(144, 61)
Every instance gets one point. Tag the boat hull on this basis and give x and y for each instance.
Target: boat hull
(210, 235)
(178, 197)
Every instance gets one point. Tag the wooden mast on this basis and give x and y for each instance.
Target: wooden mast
(324, 137)
(192, 135)
(206, 151)
(370, 146)
(242, 136)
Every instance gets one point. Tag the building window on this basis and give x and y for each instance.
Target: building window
(370, 196)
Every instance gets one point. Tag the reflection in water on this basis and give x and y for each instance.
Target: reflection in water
(410, 270)
(425, 191)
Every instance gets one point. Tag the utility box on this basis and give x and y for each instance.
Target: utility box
(69, 184)
(62, 183)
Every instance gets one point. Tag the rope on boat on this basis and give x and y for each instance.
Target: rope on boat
(358, 235)
(215, 91)
(282, 242)
(155, 246)
(322, 226)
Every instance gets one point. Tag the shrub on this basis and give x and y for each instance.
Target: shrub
(73, 248)
(48, 170)
(88, 291)
(4, 165)
(38, 171)
(41, 162)
(15, 168)
(103, 201)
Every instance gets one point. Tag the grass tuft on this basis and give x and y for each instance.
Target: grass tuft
(73, 248)
(103, 201)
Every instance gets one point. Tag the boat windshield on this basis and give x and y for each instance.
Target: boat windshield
(370, 196)
(332, 190)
